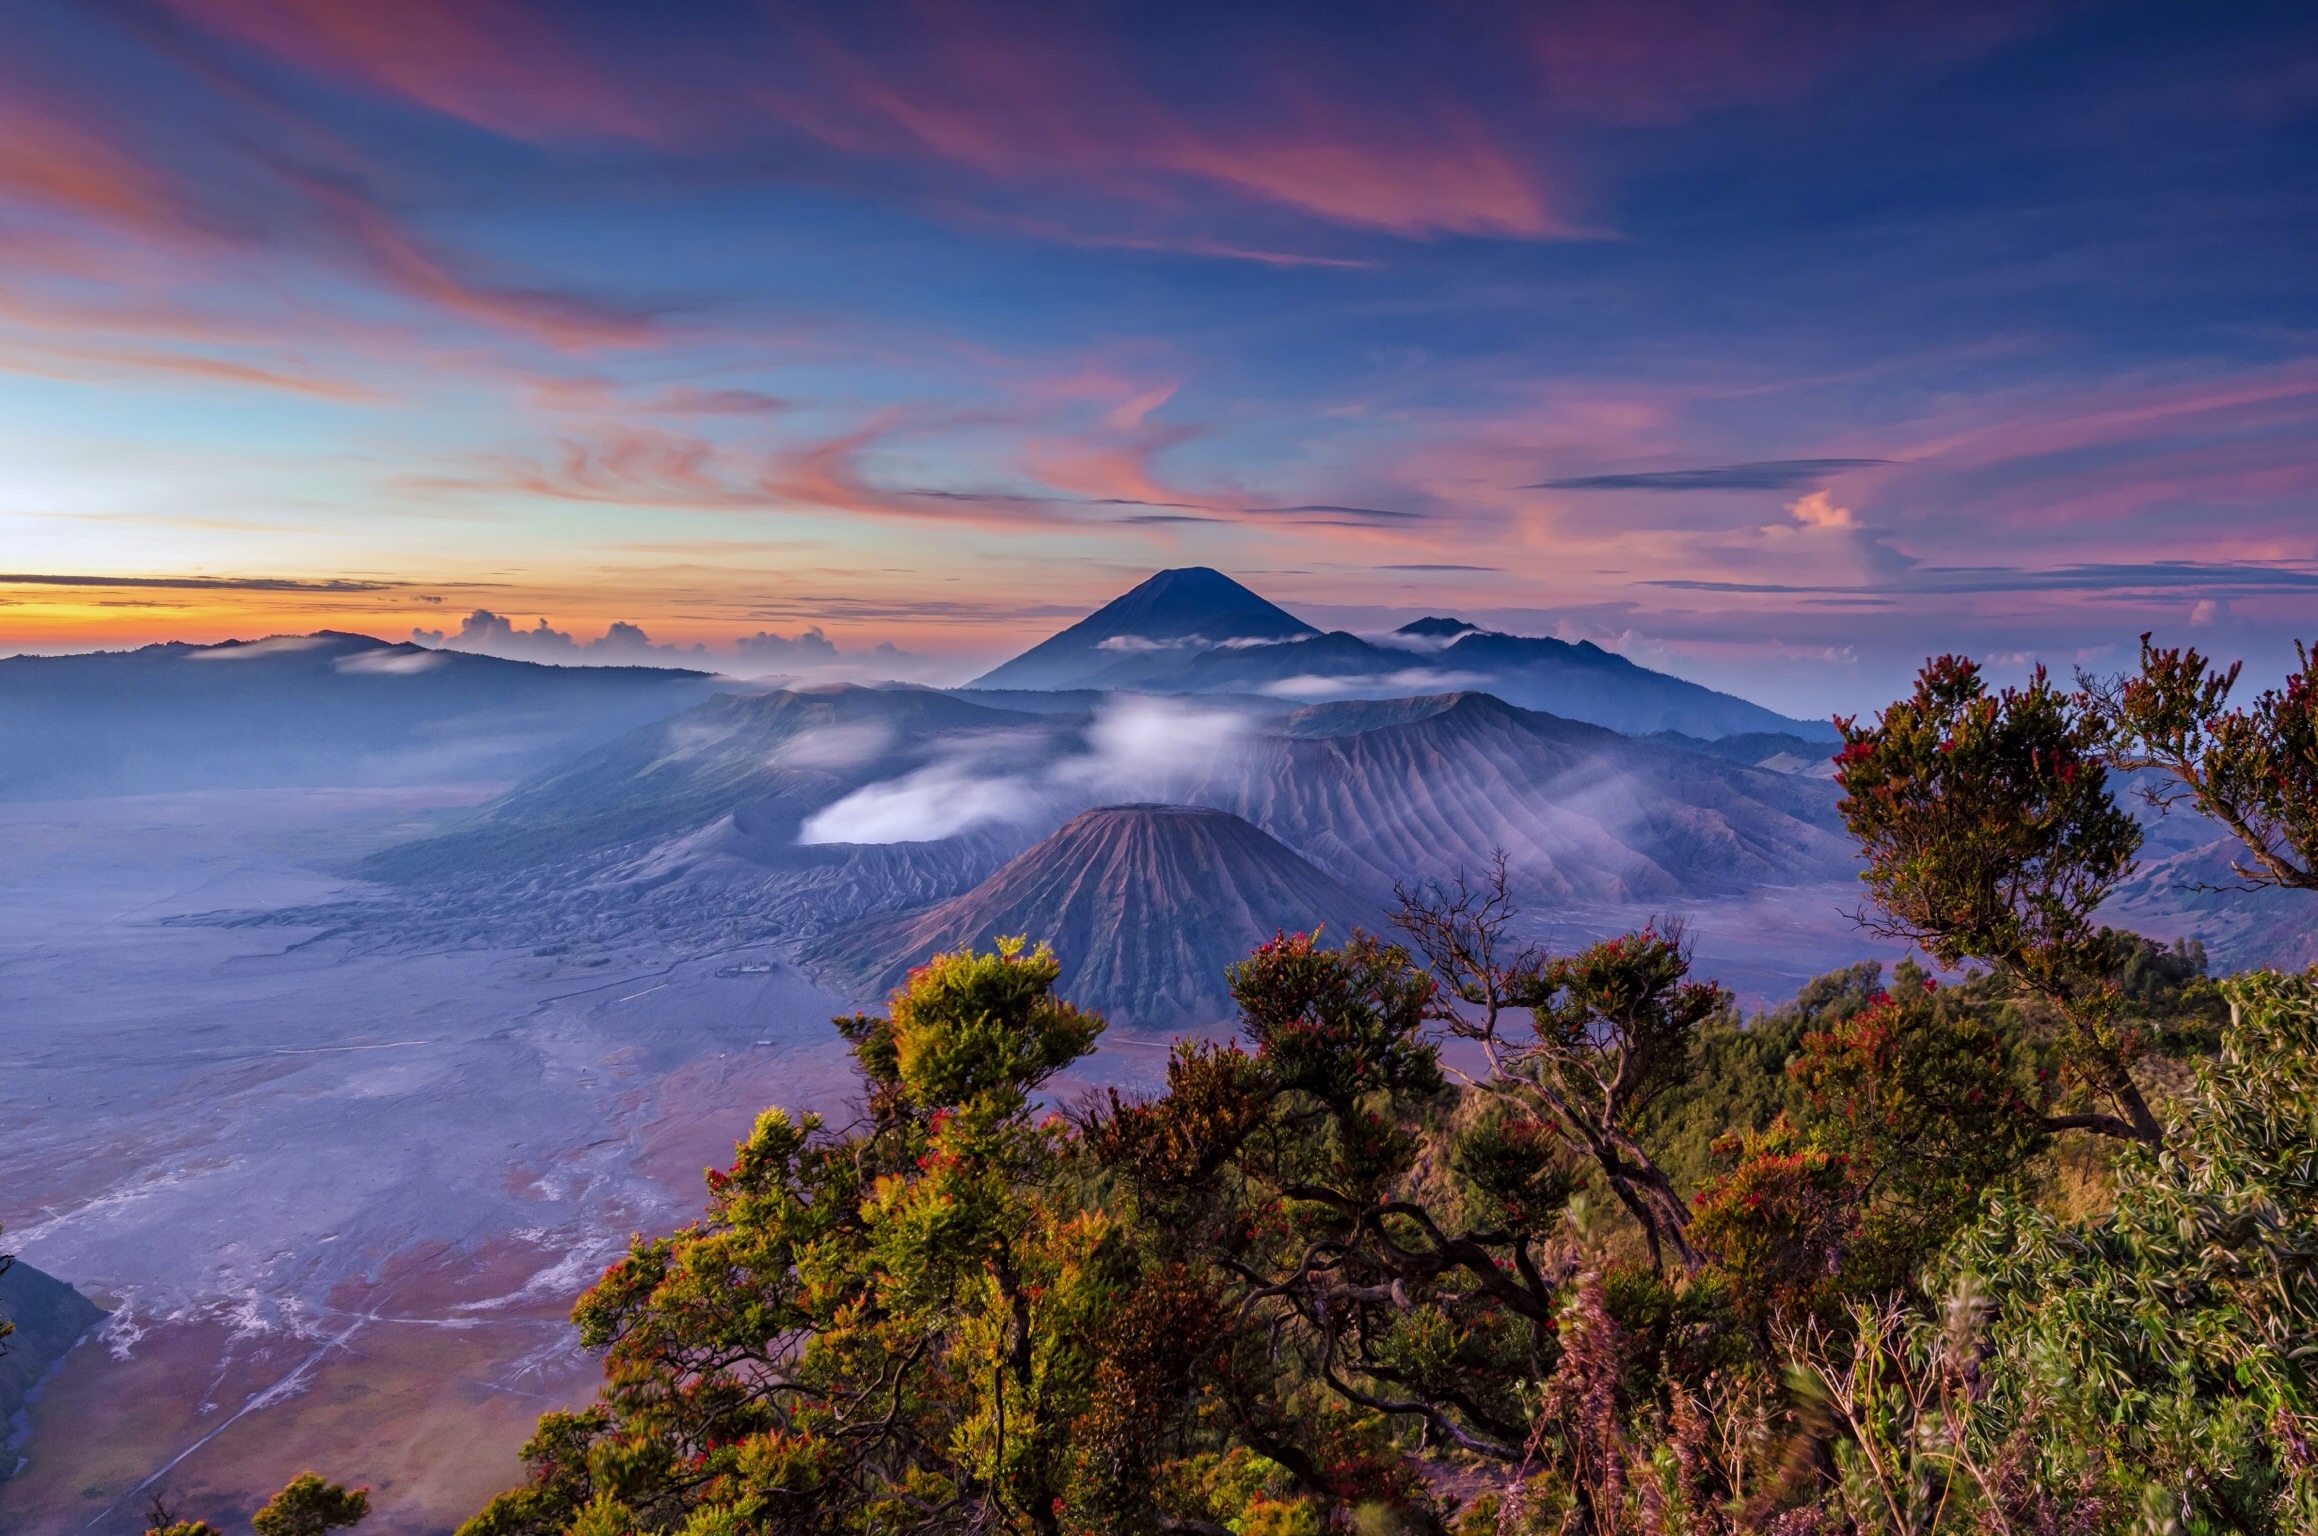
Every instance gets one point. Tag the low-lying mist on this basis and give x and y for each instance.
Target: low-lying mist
(1135, 748)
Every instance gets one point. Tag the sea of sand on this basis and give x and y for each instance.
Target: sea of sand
(336, 1201)
(337, 1205)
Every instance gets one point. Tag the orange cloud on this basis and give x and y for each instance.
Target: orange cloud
(47, 160)
(1817, 510)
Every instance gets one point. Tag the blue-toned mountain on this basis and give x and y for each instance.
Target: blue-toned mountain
(325, 708)
(1198, 631)
(1137, 636)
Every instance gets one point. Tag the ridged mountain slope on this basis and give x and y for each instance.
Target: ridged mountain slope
(765, 760)
(1144, 904)
(1411, 788)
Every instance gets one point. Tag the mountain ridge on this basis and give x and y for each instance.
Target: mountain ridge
(1194, 630)
(325, 708)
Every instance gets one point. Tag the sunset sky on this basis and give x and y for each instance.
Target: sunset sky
(1773, 345)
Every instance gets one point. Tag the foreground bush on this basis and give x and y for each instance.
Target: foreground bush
(2165, 1352)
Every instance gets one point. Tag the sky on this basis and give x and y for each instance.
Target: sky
(1775, 345)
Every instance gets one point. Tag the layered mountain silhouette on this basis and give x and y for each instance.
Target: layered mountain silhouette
(1145, 906)
(325, 708)
(1197, 631)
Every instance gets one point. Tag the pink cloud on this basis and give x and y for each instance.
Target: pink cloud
(49, 161)
(1044, 102)
(500, 66)
(392, 253)
(1017, 103)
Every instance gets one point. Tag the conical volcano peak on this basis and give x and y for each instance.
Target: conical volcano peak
(1195, 601)
(1146, 906)
(1186, 610)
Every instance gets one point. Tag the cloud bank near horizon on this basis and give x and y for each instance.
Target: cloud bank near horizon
(808, 654)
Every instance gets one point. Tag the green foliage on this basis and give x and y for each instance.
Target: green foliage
(895, 1328)
(309, 1506)
(2255, 769)
(1780, 1220)
(1614, 1028)
(2166, 1348)
(1990, 834)
(1739, 1079)
(1936, 1103)
(971, 1027)
(1986, 821)
(1296, 1173)
(1319, 1280)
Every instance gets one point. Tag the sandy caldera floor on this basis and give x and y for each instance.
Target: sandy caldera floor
(338, 1204)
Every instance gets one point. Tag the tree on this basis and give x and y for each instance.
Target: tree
(1584, 1042)
(309, 1506)
(162, 1519)
(1296, 1173)
(895, 1328)
(2254, 770)
(1990, 834)
(1910, 1111)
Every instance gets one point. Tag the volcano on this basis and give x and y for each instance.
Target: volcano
(1173, 615)
(1144, 904)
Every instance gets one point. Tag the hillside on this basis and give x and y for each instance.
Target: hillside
(1375, 792)
(50, 1318)
(325, 708)
(1144, 904)
(764, 761)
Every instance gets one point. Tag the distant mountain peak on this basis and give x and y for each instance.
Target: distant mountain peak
(1191, 602)
(1430, 628)
(1189, 608)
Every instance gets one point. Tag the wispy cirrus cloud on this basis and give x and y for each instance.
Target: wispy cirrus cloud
(199, 583)
(1765, 475)
(509, 67)
(1441, 125)
(2117, 579)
